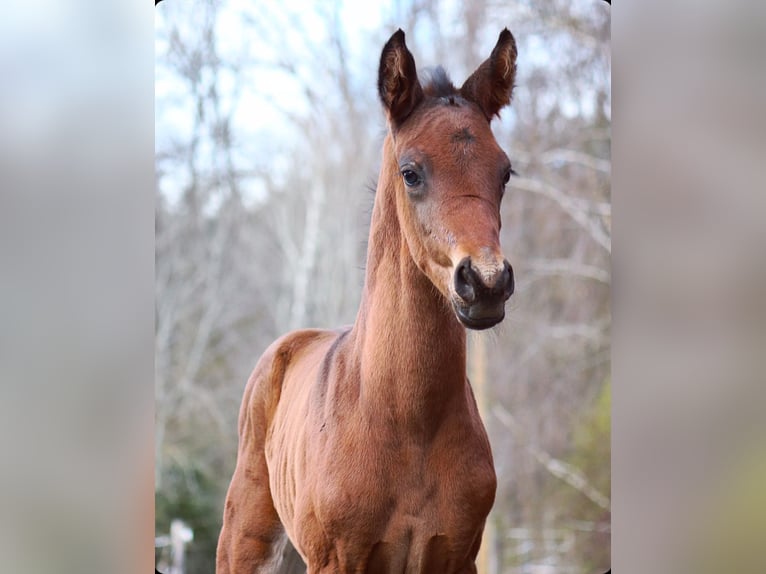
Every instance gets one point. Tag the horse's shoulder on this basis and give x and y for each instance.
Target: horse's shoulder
(264, 387)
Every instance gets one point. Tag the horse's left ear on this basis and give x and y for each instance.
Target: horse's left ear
(490, 86)
(398, 84)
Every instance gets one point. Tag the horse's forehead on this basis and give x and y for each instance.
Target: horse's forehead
(444, 128)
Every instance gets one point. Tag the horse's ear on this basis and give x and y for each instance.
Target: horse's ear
(490, 86)
(398, 83)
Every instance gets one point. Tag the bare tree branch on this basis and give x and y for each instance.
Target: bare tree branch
(558, 468)
(561, 155)
(578, 209)
(567, 267)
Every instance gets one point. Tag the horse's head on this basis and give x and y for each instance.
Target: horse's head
(450, 175)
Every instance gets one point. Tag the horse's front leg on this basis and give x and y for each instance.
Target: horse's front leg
(252, 538)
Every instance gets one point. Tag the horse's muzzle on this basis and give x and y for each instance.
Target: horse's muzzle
(482, 296)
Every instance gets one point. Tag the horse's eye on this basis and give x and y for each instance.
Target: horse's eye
(411, 178)
(508, 175)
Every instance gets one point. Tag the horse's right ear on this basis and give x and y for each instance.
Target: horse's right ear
(398, 84)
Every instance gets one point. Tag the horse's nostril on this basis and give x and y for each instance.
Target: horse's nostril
(508, 281)
(464, 281)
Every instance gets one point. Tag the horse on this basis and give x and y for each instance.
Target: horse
(362, 447)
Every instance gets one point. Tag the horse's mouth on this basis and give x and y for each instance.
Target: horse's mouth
(478, 316)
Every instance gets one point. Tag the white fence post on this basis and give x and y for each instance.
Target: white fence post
(180, 536)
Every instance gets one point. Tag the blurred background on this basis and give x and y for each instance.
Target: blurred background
(267, 146)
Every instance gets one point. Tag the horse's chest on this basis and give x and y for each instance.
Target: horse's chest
(412, 510)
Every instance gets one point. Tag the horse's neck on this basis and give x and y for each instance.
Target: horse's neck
(410, 345)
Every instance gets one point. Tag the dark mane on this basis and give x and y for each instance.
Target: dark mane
(437, 84)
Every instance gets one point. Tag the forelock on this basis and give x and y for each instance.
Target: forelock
(436, 83)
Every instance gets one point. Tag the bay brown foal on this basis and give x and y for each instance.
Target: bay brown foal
(363, 447)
